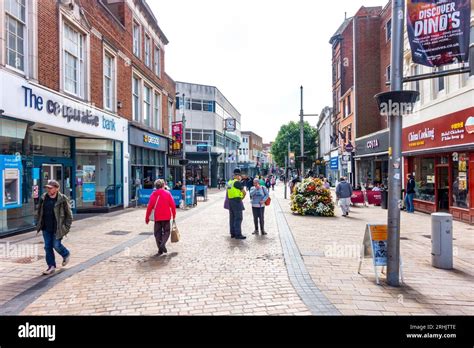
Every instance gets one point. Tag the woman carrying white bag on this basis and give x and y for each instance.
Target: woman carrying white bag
(161, 209)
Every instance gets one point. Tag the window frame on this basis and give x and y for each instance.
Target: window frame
(113, 80)
(157, 61)
(136, 50)
(157, 107)
(136, 98)
(147, 50)
(25, 43)
(388, 30)
(83, 59)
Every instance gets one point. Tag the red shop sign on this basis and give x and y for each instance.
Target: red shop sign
(453, 129)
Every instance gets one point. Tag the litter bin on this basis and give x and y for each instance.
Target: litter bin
(384, 203)
(442, 240)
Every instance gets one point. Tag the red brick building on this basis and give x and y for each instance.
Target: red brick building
(361, 55)
(85, 89)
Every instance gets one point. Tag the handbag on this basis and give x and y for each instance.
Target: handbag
(268, 201)
(152, 215)
(175, 236)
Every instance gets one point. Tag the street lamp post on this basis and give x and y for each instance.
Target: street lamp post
(184, 146)
(302, 115)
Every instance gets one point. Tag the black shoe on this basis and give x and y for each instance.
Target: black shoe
(255, 232)
(165, 250)
(160, 252)
(232, 236)
(240, 237)
(264, 233)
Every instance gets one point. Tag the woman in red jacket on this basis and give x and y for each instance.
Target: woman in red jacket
(164, 208)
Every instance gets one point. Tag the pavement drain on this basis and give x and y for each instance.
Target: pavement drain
(119, 233)
(316, 253)
(146, 234)
(270, 257)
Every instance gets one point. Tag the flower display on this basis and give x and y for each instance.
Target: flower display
(311, 198)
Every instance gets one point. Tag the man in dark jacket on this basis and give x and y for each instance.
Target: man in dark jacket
(344, 194)
(410, 194)
(235, 194)
(54, 218)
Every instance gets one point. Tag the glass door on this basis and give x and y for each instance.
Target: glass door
(443, 188)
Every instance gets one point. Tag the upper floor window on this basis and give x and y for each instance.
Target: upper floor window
(388, 30)
(74, 62)
(439, 82)
(109, 82)
(348, 104)
(471, 52)
(157, 61)
(415, 70)
(156, 112)
(136, 99)
(15, 29)
(147, 105)
(170, 115)
(147, 51)
(344, 110)
(136, 39)
(388, 72)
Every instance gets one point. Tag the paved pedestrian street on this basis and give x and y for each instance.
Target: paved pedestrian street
(294, 270)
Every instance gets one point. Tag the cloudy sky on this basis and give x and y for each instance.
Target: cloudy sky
(257, 52)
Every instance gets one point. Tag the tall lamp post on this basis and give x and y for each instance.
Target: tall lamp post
(184, 145)
(302, 115)
(396, 97)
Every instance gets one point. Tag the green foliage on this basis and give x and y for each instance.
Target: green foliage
(291, 133)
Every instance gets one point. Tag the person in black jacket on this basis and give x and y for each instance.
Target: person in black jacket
(410, 194)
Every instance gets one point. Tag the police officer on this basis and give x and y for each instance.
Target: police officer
(236, 193)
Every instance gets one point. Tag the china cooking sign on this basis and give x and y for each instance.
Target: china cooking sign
(438, 31)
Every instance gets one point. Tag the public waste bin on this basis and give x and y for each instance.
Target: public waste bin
(384, 203)
(442, 240)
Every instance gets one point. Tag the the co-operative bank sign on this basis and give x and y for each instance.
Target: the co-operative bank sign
(70, 113)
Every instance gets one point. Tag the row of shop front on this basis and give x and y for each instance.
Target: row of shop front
(439, 153)
(97, 157)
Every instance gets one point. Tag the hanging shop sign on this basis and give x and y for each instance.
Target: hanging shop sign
(450, 130)
(334, 163)
(10, 182)
(438, 31)
(177, 134)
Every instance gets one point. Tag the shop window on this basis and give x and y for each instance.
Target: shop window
(95, 174)
(460, 188)
(53, 145)
(424, 172)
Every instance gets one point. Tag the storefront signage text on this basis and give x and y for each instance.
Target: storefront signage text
(372, 144)
(150, 139)
(418, 138)
(448, 130)
(32, 100)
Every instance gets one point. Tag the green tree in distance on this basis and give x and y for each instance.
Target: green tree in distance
(291, 133)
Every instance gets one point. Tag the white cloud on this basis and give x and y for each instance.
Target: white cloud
(257, 52)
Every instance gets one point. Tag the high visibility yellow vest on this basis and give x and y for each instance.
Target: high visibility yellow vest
(233, 192)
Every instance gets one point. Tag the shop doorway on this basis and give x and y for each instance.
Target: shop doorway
(443, 188)
(61, 174)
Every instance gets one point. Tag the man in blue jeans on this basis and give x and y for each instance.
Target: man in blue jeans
(410, 194)
(54, 218)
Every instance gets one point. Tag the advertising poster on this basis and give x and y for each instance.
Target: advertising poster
(177, 134)
(438, 31)
(88, 184)
(10, 179)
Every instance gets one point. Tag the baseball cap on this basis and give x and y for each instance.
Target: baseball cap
(52, 183)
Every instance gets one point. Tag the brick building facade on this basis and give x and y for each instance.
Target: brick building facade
(71, 110)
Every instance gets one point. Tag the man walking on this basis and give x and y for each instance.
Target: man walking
(235, 194)
(163, 207)
(410, 193)
(344, 194)
(54, 218)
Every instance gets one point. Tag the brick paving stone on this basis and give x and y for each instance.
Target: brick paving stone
(427, 290)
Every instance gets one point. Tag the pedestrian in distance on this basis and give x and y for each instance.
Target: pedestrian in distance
(235, 194)
(326, 184)
(162, 205)
(344, 194)
(410, 194)
(54, 218)
(268, 183)
(273, 182)
(258, 195)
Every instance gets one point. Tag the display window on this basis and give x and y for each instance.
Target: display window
(424, 173)
(460, 175)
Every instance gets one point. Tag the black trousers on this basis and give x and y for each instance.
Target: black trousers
(162, 233)
(235, 217)
(259, 214)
